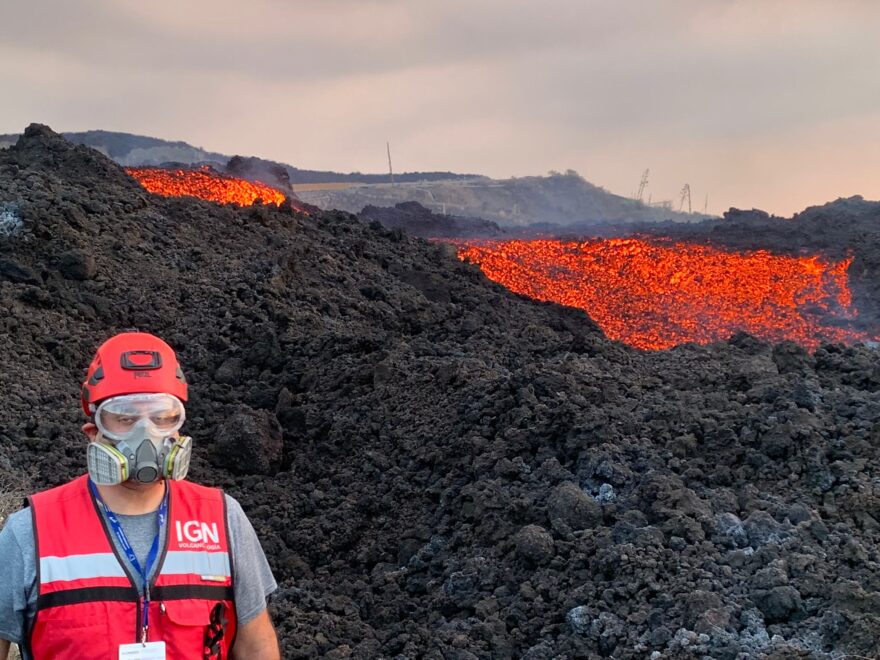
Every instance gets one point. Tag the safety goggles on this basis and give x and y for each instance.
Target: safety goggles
(122, 417)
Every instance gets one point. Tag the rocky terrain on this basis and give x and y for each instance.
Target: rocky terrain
(438, 468)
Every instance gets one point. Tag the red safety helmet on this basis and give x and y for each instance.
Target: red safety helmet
(132, 363)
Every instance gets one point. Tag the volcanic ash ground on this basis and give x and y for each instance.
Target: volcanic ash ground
(439, 468)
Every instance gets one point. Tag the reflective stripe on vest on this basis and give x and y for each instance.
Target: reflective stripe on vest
(87, 604)
(83, 567)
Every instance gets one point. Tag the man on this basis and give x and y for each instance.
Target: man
(131, 561)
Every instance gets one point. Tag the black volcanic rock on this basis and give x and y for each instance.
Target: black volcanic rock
(570, 504)
(41, 149)
(249, 441)
(77, 265)
(435, 429)
(534, 544)
(15, 272)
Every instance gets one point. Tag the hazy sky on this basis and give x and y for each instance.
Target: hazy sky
(773, 104)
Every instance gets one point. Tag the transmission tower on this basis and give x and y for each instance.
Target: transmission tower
(390, 171)
(685, 194)
(642, 185)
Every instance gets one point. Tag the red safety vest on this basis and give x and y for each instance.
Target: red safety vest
(87, 602)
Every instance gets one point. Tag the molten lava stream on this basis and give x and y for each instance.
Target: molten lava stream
(657, 294)
(204, 183)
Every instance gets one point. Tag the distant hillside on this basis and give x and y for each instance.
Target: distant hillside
(557, 199)
(132, 150)
(128, 150)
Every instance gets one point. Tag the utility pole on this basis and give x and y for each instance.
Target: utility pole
(706, 205)
(390, 171)
(685, 194)
(642, 185)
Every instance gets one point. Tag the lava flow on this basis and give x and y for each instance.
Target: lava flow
(204, 183)
(656, 294)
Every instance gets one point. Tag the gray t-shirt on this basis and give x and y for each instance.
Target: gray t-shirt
(18, 589)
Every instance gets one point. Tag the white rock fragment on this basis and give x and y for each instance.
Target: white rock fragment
(10, 222)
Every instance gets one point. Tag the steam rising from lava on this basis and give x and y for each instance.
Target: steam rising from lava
(204, 183)
(657, 294)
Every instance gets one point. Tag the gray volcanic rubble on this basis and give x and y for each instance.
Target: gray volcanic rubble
(439, 468)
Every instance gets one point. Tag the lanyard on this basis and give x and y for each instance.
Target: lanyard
(144, 572)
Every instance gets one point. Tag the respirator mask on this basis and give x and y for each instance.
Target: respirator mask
(137, 440)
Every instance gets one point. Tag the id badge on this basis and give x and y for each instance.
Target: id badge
(148, 651)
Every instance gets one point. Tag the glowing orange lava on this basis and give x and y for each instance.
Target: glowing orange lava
(204, 183)
(657, 294)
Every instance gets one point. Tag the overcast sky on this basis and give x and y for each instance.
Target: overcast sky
(772, 104)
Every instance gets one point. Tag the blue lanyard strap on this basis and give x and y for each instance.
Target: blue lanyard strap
(144, 572)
